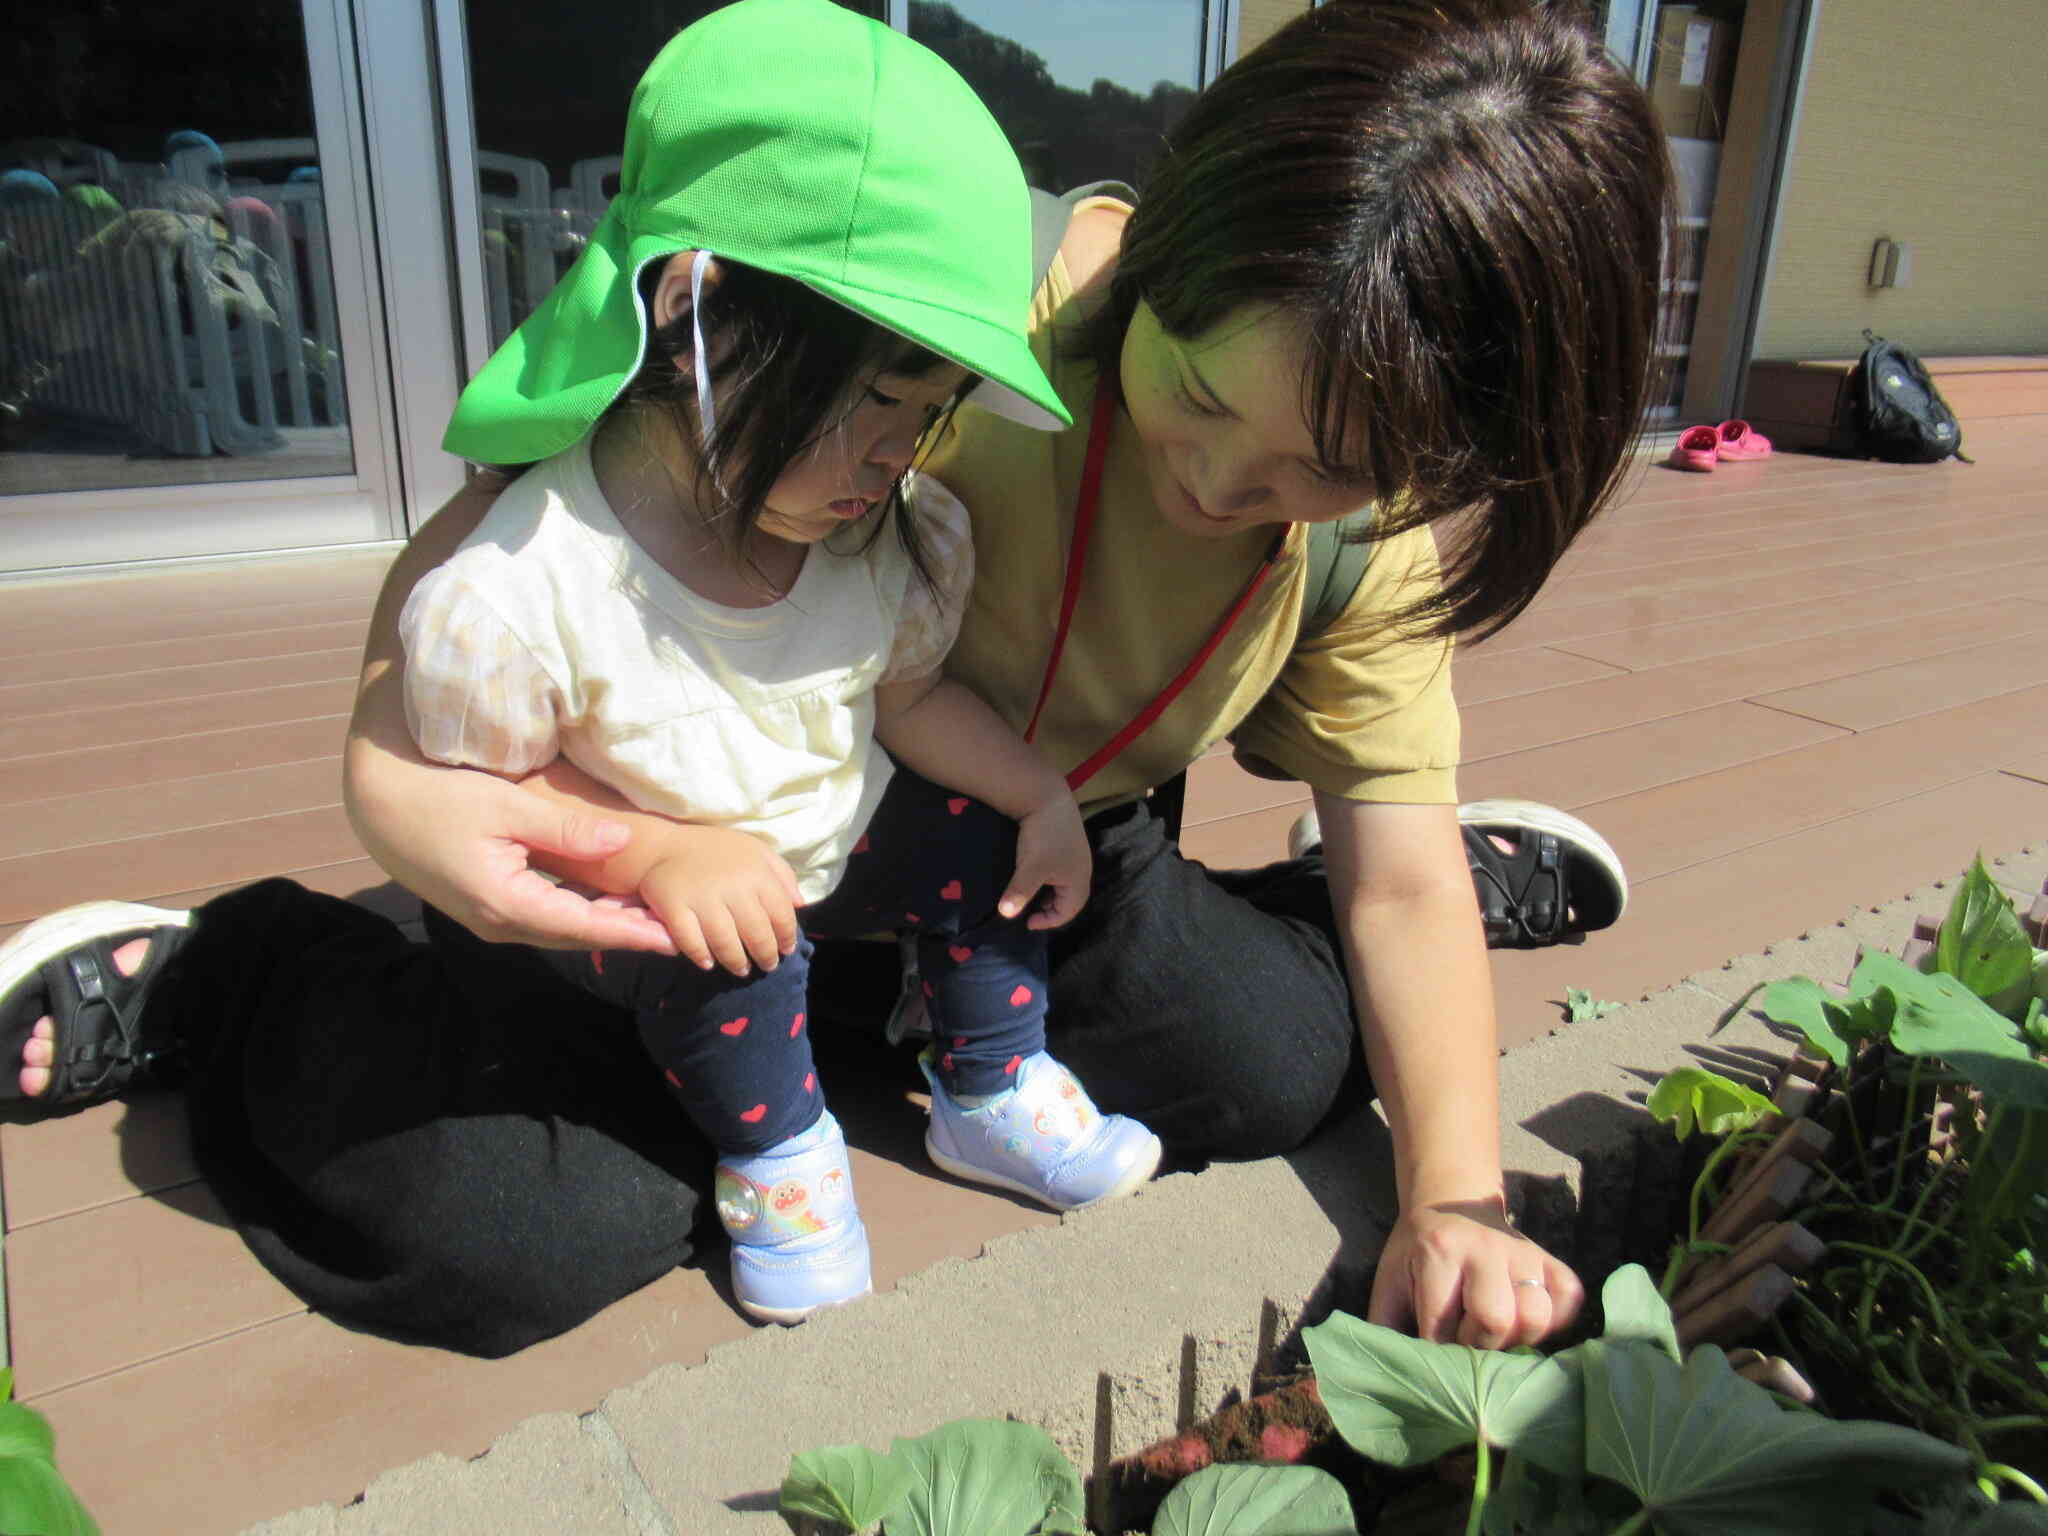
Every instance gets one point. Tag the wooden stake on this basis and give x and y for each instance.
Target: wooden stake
(1736, 1311)
(1783, 1243)
(1774, 1190)
(1804, 1141)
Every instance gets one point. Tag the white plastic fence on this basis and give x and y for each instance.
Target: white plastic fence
(138, 337)
(532, 231)
(144, 346)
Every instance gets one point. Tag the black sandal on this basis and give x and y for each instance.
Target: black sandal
(1557, 882)
(1560, 881)
(62, 967)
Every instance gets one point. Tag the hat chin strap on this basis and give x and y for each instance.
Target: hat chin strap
(707, 415)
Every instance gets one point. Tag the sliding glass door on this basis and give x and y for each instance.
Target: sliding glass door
(250, 251)
(189, 336)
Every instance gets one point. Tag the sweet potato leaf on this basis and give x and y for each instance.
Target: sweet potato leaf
(1402, 1401)
(2006, 1078)
(1632, 1309)
(1581, 1005)
(1799, 1002)
(24, 1432)
(1710, 1454)
(1982, 943)
(1686, 1097)
(849, 1485)
(34, 1498)
(986, 1477)
(1938, 1016)
(1241, 1499)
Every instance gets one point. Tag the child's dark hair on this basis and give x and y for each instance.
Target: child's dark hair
(1462, 206)
(791, 364)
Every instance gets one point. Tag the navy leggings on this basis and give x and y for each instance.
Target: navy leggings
(735, 1050)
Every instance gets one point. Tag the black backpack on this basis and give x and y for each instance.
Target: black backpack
(1900, 415)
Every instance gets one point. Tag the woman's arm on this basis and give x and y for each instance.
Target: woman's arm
(725, 897)
(1417, 961)
(460, 839)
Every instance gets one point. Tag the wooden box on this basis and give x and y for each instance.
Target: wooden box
(1803, 405)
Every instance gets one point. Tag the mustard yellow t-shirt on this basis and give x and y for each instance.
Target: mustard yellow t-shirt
(1357, 711)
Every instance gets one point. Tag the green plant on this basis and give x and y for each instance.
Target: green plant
(1617, 1434)
(993, 1477)
(34, 1498)
(1932, 1303)
(1581, 1005)
(1932, 1292)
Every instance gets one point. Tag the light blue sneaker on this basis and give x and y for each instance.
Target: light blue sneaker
(798, 1242)
(1043, 1138)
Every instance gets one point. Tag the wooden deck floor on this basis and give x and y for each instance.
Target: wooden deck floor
(1781, 690)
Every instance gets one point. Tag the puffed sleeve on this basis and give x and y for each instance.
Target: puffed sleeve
(928, 619)
(474, 693)
(1361, 710)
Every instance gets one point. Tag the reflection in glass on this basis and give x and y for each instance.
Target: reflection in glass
(549, 82)
(166, 307)
(1085, 89)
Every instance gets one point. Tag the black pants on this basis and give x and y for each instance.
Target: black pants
(448, 1144)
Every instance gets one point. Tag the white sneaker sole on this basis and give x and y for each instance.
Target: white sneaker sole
(1139, 1173)
(1534, 816)
(789, 1317)
(59, 933)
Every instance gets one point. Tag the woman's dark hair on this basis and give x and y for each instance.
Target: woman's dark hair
(1462, 206)
(791, 364)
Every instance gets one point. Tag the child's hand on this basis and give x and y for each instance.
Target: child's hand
(1052, 855)
(726, 897)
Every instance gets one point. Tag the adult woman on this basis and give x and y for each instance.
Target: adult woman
(1404, 250)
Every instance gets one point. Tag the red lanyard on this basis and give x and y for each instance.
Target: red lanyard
(1077, 562)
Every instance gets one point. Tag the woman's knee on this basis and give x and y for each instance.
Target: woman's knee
(1264, 1113)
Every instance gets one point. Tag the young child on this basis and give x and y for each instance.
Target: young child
(719, 592)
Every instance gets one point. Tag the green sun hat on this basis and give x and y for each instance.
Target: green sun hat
(797, 137)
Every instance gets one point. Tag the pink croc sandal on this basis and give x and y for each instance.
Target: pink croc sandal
(1736, 440)
(1697, 448)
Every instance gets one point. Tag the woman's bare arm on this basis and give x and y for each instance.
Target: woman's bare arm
(1453, 1266)
(460, 839)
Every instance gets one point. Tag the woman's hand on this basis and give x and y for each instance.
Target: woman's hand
(1457, 1271)
(726, 897)
(456, 838)
(1052, 856)
(463, 841)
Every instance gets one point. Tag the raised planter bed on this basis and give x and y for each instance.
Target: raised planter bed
(1924, 1324)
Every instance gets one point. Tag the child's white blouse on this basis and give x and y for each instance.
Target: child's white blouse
(551, 632)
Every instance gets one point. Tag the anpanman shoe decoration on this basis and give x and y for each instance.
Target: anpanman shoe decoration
(798, 1242)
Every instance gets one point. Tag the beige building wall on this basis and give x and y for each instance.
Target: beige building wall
(1927, 124)
(1260, 19)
